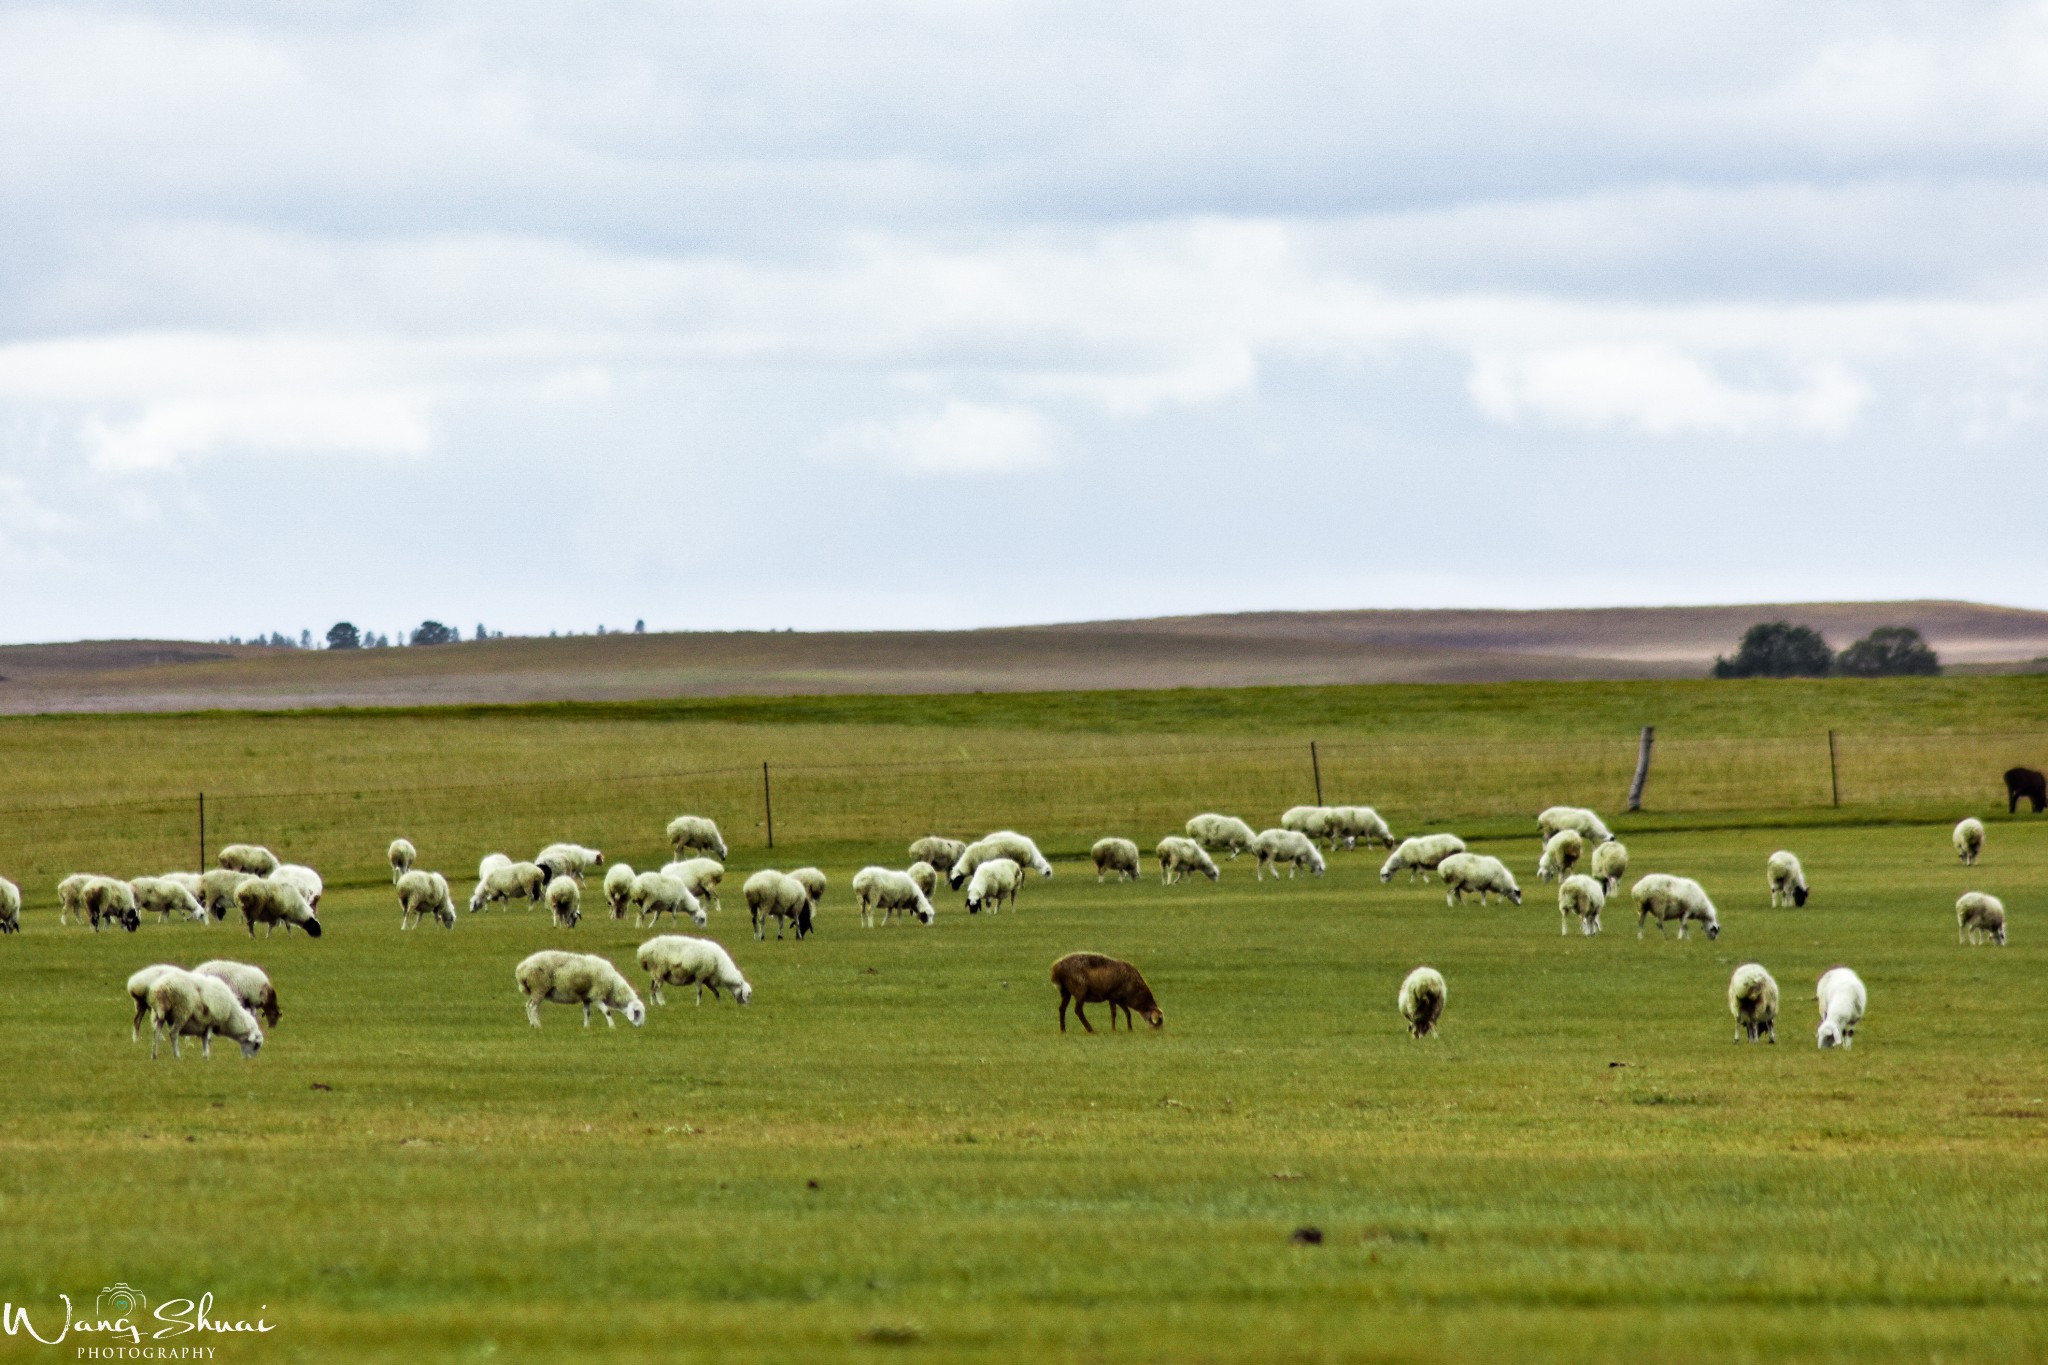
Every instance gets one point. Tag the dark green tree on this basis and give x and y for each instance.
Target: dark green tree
(433, 633)
(1777, 649)
(342, 635)
(1888, 652)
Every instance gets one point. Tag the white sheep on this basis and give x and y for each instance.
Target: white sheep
(1589, 825)
(504, 882)
(251, 985)
(769, 894)
(1584, 897)
(1315, 823)
(813, 883)
(577, 979)
(71, 897)
(491, 863)
(618, 887)
(185, 1005)
(1785, 879)
(1560, 856)
(254, 859)
(1214, 831)
(10, 907)
(1004, 843)
(1115, 855)
(1361, 825)
(402, 856)
(565, 901)
(567, 860)
(1842, 1001)
(926, 875)
(1665, 898)
(653, 892)
(887, 890)
(994, 881)
(1610, 864)
(696, 832)
(1422, 999)
(164, 896)
(1753, 1000)
(1476, 874)
(702, 876)
(302, 877)
(109, 900)
(1969, 840)
(1980, 916)
(1179, 856)
(193, 882)
(217, 890)
(937, 850)
(1420, 854)
(422, 893)
(138, 991)
(674, 960)
(1276, 846)
(263, 901)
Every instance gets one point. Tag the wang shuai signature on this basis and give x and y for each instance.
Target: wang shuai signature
(121, 1313)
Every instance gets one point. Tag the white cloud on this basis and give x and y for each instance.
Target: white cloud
(1658, 391)
(957, 438)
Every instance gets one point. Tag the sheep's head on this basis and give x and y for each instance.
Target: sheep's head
(742, 993)
(1155, 1016)
(311, 925)
(1209, 870)
(1799, 895)
(1830, 1033)
(924, 912)
(636, 1013)
(252, 1044)
(699, 918)
(1998, 935)
(1713, 929)
(974, 902)
(1515, 894)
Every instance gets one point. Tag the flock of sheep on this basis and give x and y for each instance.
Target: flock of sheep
(225, 997)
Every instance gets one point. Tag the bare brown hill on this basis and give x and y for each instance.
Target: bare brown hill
(1189, 651)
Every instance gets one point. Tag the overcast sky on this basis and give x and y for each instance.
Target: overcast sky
(766, 315)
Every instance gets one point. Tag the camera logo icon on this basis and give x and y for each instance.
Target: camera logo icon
(120, 1300)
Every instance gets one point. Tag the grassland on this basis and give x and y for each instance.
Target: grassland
(892, 1153)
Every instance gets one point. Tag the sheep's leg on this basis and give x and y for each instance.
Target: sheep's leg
(1772, 1028)
(1082, 1015)
(533, 1011)
(135, 1029)
(586, 1014)
(156, 1037)
(606, 1011)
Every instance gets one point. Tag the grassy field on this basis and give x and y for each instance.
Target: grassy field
(893, 1154)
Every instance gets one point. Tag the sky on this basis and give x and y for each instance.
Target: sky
(771, 315)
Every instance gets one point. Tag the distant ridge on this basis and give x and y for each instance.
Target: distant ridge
(1237, 650)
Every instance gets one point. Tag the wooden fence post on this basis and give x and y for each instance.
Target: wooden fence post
(1635, 788)
(202, 831)
(768, 803)
(1315, 763)
(1834, 773)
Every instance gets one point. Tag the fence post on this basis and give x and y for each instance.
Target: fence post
(202, 831)
(1834, 773)
(768, 803)
(1316, 764)
(1635, 788)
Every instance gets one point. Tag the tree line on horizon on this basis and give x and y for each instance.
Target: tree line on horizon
(1779, 649)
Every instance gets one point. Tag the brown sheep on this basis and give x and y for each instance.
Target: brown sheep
(2025, 782)
(1091, 978)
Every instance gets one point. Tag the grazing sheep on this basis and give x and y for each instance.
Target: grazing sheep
(1214, 831)
(813, 883)
(653, 892)
(1560, 855)
(577, 979)
(422, 893)
(1179, 856)
(1422, 999)
(1478, 875)
(702, 876)
(618, 887)
(937, 850)
(512, 879)
(1420, 854)
(217, 890)
(1753, 1000)
(1842, 1001)
(1589, 825)
(696, 832)
(1091, 978)
(186, 1005)
(1277, 846)
(887, 890)
(402, 856)
(254, 859)
(71, 897)
(1004, 843)
(162, 896)
(567, 860)
(250, 984)
(304, 878)
(1580, 895)
(1969, 840)
(263, 901)
(10, 907)
(491, 863)
(1673, 898)
(1786, 879)
(110, 900)
(2028, 783)
(1115, 855)
(565, 901)
(193, 882)
(674, 960)
(926, 875)
(1979, 917)
(1361, 825)
(138, 991)
(1316, 823)
(1610, 864)
(995, 881)
(770, 893)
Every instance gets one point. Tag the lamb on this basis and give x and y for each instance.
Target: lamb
(565, 901)
(1560, 855)
(1360, 825)
(937, 850)
(1115, 855)
(1476, 874)
(618, 887)
(10, 907)
(995, 881)
(1422, 999)
(1753, 1000)
(1420, 854)
(884, 889)
(304, 878)
(1179, 856)
(674, 960)
(925, 875)
(1316, 823)
(702, 876)
(567, 860)
(1090, 978)
(422, 893)
(1673, 898)
(251, 986)
(770, 893)
(138, 991)
(653, 892)
(1579, 818)
(109, 900)
(402, 855)
(1214, 831)
(2029, 783)
(217, 890)
(162, 895)
(813, 884)
(507, 881)
(1004, 843)
(186, 1005)
(1969, 840)
(577, 979)
(1978, 917)
(254, 859)
(1786, 879)
(1277, 846)
(270, 904)
(696, 832)
(1610, 864)
(1842, 1001)
(1580, 895)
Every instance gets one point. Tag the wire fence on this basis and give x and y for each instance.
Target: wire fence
(1065, 800)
